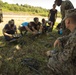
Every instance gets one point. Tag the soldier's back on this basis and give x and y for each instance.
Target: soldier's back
(66, 5)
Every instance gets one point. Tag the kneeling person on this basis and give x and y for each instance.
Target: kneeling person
(36, 25)
(9, 30)
(26, 26)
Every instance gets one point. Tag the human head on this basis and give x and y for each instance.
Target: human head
(36, 20)
(58, 2)
(43, 20)
(70, 19)
(54, 6)
(12, 20)
(9, 22)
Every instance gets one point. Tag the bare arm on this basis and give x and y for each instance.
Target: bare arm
(4, 32)
(49, 16)
(28, 29)
(61, 40)
(15, 29)
(34, 29)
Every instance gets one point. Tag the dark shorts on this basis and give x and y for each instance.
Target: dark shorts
(52, 20)
(47, 29)
(7, 38)
(22, 28)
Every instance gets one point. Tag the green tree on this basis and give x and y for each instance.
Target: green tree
(1, 3)
(24, 8)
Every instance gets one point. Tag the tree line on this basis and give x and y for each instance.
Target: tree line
(24, 8)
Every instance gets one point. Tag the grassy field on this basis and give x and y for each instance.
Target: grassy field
(11, 54)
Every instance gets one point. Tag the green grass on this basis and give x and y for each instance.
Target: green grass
(11, 56)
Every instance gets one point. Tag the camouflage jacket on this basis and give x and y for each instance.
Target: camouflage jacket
(66, 5)
(64, 61)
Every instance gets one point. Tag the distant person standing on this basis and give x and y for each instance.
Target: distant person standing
(26, 26)
(52, 15)
(64, 6)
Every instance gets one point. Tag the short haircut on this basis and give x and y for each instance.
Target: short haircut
(9, 22)
(71, 14)
(12, 19)
(36, 18)
(73, 18)
(43, 20)
(54, 4)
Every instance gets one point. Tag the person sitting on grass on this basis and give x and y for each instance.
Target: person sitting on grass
(47, 25)
(59, 28)
(26, 26)
(63, 60)
(36, 25)
(33, 27)
(9, 30)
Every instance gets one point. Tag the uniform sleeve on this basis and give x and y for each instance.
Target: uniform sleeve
(61, 60)
(66, 6)
(64, 38)
(68, 51)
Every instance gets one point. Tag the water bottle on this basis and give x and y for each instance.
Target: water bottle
(61, 31)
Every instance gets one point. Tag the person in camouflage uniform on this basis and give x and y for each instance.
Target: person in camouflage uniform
(1, 15)
(63, 62)
(65, 5)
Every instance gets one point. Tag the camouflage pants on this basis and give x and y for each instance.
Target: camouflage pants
(58, 68)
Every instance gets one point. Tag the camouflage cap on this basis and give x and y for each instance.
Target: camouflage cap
(70, 14)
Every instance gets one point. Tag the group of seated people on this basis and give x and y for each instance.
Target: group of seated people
(62, 61)
(34, 27)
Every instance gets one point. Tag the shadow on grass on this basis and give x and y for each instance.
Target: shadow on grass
(2, 41)
(12, 54)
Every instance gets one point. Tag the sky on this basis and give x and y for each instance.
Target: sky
(41, 3)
